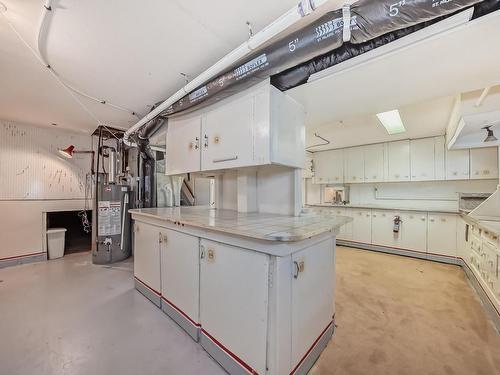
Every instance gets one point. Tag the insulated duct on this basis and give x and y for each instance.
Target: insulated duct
(359, 24)
(300, 74)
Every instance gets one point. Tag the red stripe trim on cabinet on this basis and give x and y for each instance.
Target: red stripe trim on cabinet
(234, 356)
(23, 256)
(479, 283)
(181, 312)
(311, 348)
(147, 286)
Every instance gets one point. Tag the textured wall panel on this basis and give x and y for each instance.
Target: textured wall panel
(31, 167)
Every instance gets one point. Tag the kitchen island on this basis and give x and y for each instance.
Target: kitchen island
(256, 290)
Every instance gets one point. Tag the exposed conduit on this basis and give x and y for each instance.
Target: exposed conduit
(304, 8)
(40, 60)
(47, 10)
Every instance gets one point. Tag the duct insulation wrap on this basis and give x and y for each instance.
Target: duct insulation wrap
(367, 20)
(300, 74)
(319, 37)
(376, 18)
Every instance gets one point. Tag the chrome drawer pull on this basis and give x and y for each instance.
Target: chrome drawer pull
(226, 159)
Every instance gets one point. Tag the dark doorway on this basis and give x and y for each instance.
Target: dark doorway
(76, 239)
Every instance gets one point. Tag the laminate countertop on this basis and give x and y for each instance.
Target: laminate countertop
(261, 226)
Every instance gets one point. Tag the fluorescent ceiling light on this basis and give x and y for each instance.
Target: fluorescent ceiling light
(392, 121)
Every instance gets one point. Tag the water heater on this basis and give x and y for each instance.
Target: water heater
(113, 224)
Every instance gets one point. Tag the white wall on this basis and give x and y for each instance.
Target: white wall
(419, 195)
(34, 179)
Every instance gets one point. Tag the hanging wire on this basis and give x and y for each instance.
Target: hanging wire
(325, 142)
(87, 225)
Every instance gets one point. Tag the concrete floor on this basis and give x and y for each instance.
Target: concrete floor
(395, 315)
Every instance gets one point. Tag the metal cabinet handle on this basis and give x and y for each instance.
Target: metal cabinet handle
(205, 143)
(226, 159)
(202, 252)
(298, 268)
(197, 143)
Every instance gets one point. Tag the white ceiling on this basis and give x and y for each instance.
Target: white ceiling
(420, 79)
(424, 119)
(130, 53)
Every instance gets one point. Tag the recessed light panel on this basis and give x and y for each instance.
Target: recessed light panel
(392, 121)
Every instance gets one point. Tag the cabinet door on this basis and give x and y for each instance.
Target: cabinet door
(307, 170)
(361, 225)
(414, 230)
(329, 167)
(374, 162)
(439, 158)
(483, 163)
(228, 135)
(398, 161)
(312, 296)
(442, 234)
(422, 159)
(183, 145)
(457, 164)
(147, 255)
(345, 231)
(235, 309)
(354, 164)
(382, 228)
(179, 255)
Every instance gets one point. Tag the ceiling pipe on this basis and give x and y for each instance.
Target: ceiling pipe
(483, 96)
(290, 18)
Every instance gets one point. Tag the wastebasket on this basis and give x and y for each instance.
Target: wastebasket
(55, 242)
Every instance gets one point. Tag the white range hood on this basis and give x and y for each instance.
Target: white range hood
(489, 210)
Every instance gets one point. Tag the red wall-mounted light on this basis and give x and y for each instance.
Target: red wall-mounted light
(70, 150)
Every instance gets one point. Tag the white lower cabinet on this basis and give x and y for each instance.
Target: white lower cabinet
(382, 229)
(345, 232)
(362, 225)
(147, 256)
(234, 300)
(312, 293)
(180, 268)
(414, 228)
(442, 234)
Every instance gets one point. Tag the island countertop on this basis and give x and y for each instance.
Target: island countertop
(261, 226)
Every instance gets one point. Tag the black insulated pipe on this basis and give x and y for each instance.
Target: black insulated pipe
(365, 21)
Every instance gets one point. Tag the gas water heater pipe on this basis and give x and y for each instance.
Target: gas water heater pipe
(304, 8)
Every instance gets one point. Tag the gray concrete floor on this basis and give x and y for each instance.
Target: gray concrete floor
(395, 315)
(70, 317)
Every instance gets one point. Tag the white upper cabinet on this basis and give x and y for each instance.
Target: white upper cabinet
(329, 167)
(483, 163)
(183, 145)
(227, 134)
(457, 164)
(422, 159)
(425, 159)
(354, 165)
(374, 162)
(258, 126)
(398, 161)
(439, 158)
